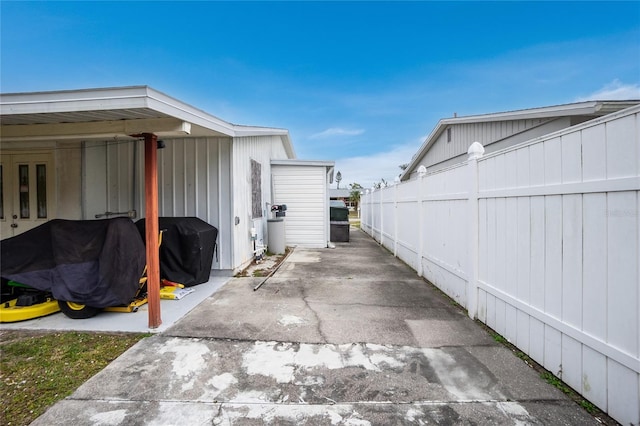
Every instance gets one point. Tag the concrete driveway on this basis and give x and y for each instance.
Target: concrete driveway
(344, 336)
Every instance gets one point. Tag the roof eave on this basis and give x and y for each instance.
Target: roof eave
(133, 97)
(579, 108)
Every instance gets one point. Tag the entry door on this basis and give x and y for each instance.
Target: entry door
(26, 192)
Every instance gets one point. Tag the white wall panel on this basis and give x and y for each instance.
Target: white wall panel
(511, 238)
(536, 164)
(94, 179)
(501, 244)
(491, 311)
(189, 184)
(594, 377)
(571, 362)
(594, 265)
(501, 317)
(523, 334)
(553, 257)
(558, 234)
(623, 388)
(536, 339)
(572, 260)
(262, 149)
(622, 271)
(304, 190)
(552, 161)
(511, 318)
(622, 147)
(537, 253)
(552, 350)
(524, 250)
(482, 306)
(571, 158)
(594, 154)
(120, 172)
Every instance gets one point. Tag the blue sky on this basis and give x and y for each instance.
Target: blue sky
(360, 83)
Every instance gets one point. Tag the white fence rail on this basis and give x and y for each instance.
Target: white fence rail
(541, 242)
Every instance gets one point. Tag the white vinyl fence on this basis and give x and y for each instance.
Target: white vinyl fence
(541, 242)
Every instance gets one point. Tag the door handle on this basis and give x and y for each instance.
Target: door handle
(14, 225)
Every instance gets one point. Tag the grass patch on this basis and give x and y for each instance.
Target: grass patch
(498, 338)
(38, 369)
(562, 387)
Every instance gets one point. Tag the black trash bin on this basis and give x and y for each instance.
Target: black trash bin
(339, 231)
(338, 222)
(338, 211)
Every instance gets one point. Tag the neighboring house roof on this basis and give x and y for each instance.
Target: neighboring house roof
(580, 109)
(339, 193)
(114, 112)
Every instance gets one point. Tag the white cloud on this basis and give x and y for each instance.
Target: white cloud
(615, 90)
(370, 169)
(336, 131)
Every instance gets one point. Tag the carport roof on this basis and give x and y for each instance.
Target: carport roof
(113, 112)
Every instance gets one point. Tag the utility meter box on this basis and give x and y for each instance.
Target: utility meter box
(279, 209)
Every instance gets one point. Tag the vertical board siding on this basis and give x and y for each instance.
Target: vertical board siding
(94, 174)
(188, 174)
(304, 190)
(463, 135)
(221, 182)
(244, 149)
(195, 179)
(558, 248)
(120, 174)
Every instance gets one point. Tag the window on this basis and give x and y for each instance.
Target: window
(41, 190)
(256, 189)
(23, 178)
(448, 134)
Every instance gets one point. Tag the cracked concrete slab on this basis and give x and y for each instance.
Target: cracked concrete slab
(349, 336)
(237, 382)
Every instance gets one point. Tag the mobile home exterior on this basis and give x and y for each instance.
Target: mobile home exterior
(77, 154)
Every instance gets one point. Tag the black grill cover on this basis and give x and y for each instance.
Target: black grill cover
(187, 248)
(94, 262)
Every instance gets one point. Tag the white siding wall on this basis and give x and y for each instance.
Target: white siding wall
(304, 190)
(261, 149)
(108, 178)
(493, 136)
(542, 243)
(68, 161)
(193, 180)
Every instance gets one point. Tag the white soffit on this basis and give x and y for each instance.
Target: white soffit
(111, 112)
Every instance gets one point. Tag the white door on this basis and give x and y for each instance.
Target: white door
(26, 192)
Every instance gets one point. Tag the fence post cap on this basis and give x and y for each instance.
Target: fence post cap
(476, 150)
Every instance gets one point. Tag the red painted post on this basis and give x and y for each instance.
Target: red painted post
(151, 208)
